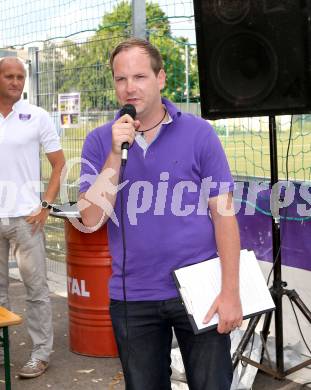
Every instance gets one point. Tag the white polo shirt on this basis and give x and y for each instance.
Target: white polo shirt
(22, 132)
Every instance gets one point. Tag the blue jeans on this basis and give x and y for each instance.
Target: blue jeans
(144, 343)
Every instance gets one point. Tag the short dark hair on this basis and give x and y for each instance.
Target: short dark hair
(151, 51)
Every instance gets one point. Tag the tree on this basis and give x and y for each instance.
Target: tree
(87, 65)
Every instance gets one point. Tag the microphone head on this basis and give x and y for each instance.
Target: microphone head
(128, 109)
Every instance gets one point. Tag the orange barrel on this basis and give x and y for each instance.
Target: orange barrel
(88, 273)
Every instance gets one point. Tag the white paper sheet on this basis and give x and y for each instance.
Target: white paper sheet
(199, 284)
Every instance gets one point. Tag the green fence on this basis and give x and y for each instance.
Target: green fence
(74, 41)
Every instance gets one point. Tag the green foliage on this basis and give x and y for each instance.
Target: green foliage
(86, 68)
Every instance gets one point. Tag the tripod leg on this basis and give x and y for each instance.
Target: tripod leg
(293, 296)
(244, 341)
(265, 332)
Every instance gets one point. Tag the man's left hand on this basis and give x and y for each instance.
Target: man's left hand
(229, 310)
(37, 219)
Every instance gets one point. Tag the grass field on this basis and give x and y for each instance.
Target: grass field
(247, 152)
(249, 155)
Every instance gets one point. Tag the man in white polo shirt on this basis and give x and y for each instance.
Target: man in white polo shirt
(24, 128)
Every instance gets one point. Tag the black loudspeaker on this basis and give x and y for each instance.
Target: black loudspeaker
(253, 57)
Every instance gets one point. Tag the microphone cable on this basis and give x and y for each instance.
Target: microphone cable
(130, 110)
(123, 235)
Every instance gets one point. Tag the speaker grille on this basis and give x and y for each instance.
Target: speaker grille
(253, 57)
(244, 69)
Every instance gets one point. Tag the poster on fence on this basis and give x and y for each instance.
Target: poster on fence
(69, 109)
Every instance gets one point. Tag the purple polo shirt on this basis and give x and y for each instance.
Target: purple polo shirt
(167, 222)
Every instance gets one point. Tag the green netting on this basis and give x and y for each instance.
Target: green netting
(25, 22)
(246, 141)
(80, 63)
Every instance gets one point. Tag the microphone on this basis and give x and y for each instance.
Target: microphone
(131, 111)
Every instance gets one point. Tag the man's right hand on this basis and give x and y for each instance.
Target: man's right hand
(123, 130)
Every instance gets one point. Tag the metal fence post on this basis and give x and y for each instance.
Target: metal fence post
(187, 75)
(139, 19)
(33, 75)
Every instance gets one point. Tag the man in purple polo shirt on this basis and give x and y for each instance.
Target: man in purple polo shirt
(176, 209)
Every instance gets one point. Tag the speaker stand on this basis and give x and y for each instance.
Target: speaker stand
(278, 291)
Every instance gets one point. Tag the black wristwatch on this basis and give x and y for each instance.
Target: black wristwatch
(46, 205)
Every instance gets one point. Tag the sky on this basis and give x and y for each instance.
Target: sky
(25, 22)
